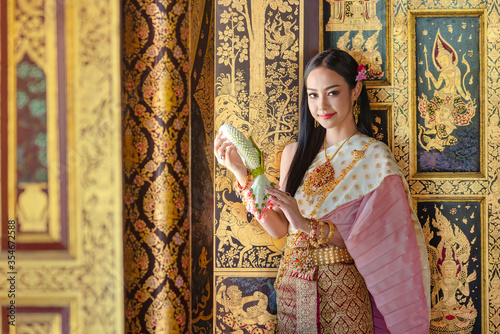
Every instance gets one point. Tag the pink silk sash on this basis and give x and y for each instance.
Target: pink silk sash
(380, 236)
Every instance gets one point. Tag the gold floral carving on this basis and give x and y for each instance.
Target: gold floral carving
(205, 100)
(202, 170)
(31, 26)
(41, 323)
(493, 139)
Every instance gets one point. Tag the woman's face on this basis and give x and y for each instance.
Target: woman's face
(330, 99)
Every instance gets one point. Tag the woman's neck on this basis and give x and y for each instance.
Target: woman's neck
(334, 136)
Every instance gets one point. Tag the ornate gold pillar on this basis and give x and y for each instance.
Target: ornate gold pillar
(155, 152)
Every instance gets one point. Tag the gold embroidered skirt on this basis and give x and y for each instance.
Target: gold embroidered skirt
(333, 298)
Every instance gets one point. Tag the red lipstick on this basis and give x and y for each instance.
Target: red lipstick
(326, 116)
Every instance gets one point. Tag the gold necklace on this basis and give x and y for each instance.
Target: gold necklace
(324, 173)
(334, 154)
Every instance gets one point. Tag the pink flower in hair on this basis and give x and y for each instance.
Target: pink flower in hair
(361, 73)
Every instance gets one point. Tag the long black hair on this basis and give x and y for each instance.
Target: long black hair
(311, 137)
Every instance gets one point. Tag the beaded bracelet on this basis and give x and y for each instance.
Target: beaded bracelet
(330, 234)
(316, 225)
(313, 226)
(238, 189)
(321, 231)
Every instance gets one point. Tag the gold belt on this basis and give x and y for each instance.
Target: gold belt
(304, 259)
(330, 255)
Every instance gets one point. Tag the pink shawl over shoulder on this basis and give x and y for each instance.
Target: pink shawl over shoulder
(380, 236)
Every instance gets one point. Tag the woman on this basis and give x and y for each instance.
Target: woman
(355, 259)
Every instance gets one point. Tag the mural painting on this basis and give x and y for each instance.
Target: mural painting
(246, 305)
(453, 232)
(448, 94)
(256, 88)
(358, 27)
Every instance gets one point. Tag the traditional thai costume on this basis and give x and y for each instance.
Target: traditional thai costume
(380, 282)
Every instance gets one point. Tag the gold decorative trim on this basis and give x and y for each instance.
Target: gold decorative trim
(72, 302)
(321, 25)
(46, 59)
(51, 320)
(247, 272)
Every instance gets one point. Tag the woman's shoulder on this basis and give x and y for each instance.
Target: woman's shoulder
(382, 155)
(288, 154)
(290, 149)
(286, 160)
(374, 148)
(374, 144)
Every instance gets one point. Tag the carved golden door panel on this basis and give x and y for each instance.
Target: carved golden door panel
(60, 163)
(434, 86)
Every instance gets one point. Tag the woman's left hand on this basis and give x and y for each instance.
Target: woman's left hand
(289, 207)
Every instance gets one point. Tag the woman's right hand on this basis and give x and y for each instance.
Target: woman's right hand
(228, 156)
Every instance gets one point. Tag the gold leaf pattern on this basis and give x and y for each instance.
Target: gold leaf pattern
(156, 149)
(261, 103)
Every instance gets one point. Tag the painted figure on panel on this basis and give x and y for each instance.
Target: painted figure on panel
(364, 52)
(450, 312)
(451, 106)
(372, 57)
(357, 18)
(245, 314)
(237, 236)
(357, 47)
(343, 41)
(203, 260)
(357, 13)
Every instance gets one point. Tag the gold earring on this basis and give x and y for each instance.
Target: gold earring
(355, 111)
(316, 124)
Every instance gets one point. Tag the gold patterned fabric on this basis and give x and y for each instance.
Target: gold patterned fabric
(320, 286)
(338, 302)
(344, 301)
(155, 161)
